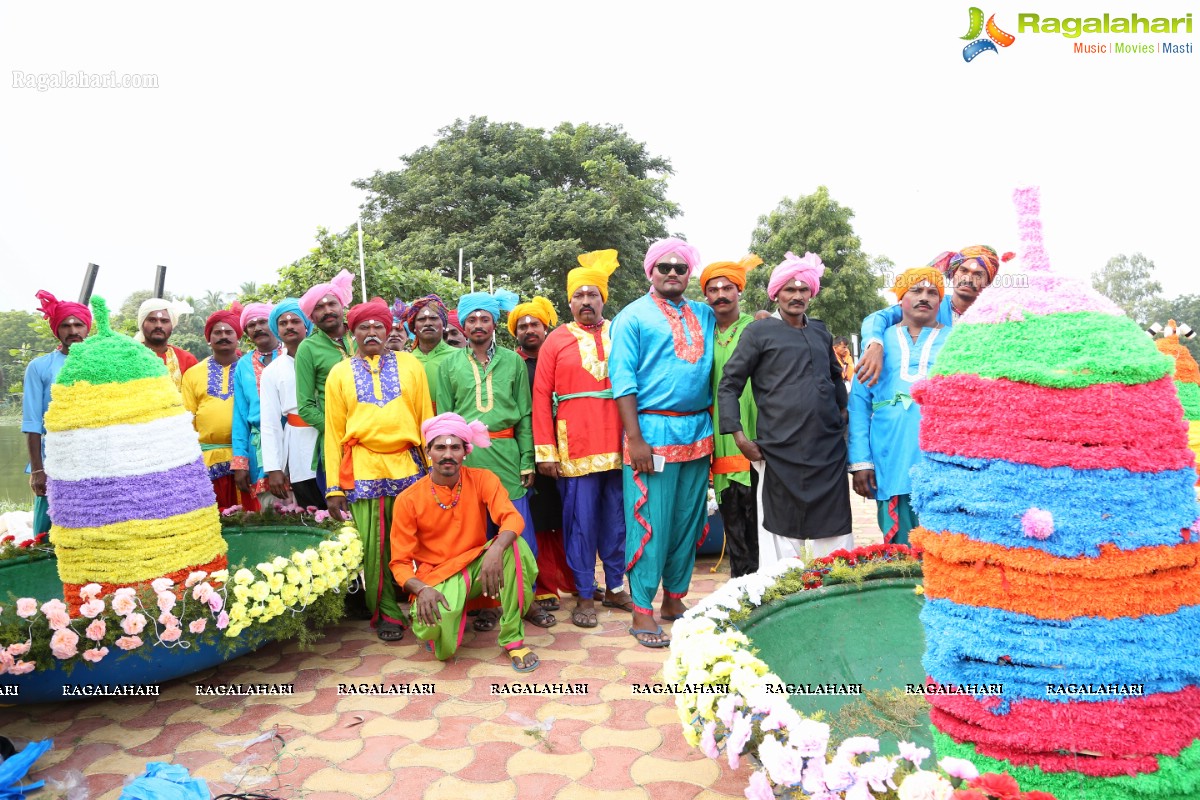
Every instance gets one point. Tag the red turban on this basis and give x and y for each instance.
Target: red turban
(452, 319)
(57, 310)
(231, 315)
(377, 309)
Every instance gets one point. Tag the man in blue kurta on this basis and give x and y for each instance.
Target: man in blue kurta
(969, 271)
(69, 322)
(884, 420)
(661, 368)
(247, 462)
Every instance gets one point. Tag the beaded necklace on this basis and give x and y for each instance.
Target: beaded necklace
(457, 495)
(730, 332)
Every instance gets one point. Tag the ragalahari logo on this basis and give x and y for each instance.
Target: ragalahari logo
(995, 36)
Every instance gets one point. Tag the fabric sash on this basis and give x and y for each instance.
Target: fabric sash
(555, 398)
(205, 448)
(297, 421)
(672, 413)
(346, 469)
(507, 433)
(727, 465)
(900, 399)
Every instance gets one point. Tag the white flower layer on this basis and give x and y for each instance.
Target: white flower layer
(122, 450)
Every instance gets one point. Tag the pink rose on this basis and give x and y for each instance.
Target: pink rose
(195, 577)
(171, 633)
(202, 592)
(959, 768)
(26, 607)
(129, 642)
(738, 736)
(759, 788)
(133, 624)
(229, 512)
(53, 605)
(21, 667)
(58, 619)
(708, 744)
(95, 654)
(222, 621)
(96, 630)
(6, 661)
(321, 515)
(63, 644)
(90, 592)
(123, 604)
(92, 608)
(161, 584)
(168, 619)
(215, 602)
(19, 648)
(166, 601)
(197, 626)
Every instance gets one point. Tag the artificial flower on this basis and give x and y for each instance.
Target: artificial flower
(123, 604)
(92, 608)
(1001, 786)
(95, 654)
(19, 648)
(910, 752)
(959, 768)
(222, 621)
(160, 585)
(26, 607)
(194, 578)
(857, 745)
(133, 624)
(58, 619)
(90, 592)
(197, 625)
(924, 785)
(170, 633)
(64, 643)
(96, 630)
(21, 667)
(759, 788)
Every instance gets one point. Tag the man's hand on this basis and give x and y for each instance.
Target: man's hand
(549, 469)
(278, 483)
(337, 507)
(241, 479)
(37, 482)
(491, 573)
(640, 455)
(864, 483)
(749, 449)
(527, 479)
(427, 602)
(870, 365)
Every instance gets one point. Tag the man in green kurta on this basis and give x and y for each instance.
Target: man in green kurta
(488, 383)
(427, 318)
(735, 483)
(328, 344)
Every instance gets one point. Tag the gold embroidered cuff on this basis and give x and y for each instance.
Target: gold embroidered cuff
(545, 452)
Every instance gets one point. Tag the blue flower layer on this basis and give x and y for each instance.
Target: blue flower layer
(986, 499)
(971, 645)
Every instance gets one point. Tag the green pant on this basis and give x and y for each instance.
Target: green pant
(516, 594)
(373, 518)
(896, 518)
(41, 515)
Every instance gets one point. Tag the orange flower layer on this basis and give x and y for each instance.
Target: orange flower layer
(1120, 583)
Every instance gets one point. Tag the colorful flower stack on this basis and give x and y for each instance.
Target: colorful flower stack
(1061, 543)
(1187, 381)
(130, 497)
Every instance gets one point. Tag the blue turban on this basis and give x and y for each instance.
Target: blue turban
(502, 300)
(289, 305)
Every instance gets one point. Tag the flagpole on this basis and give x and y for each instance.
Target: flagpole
(471, 264)
(362, 263)
(460, 254)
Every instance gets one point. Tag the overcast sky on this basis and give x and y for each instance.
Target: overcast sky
(265, 113)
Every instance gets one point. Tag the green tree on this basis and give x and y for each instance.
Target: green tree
(522, 203)
(819, 224)
(1185, 310)
(1129, 282)
(23, 337)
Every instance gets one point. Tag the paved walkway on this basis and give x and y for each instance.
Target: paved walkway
(460, 742)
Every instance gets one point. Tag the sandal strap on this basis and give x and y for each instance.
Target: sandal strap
(520, 653)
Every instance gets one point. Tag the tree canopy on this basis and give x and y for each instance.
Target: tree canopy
(819, 224)
(1129, 282)
(522, 203)
(23, 337)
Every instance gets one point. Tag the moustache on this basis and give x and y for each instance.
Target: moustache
(477, 330)
(722, 302)
(922, 304)
(222, 341)
(429, 329)
(372, 340)
(328, 317)
(586, 308)
(447, 462)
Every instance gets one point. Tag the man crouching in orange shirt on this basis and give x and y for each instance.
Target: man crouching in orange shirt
(440, 551)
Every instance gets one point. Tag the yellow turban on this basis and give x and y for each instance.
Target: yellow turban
(597, 266)
(911, 277)
(735, 271)
(538, 308)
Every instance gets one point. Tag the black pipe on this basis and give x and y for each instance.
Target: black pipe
(89, 283)
(160, 281)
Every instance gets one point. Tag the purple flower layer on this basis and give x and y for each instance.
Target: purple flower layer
(107, 501)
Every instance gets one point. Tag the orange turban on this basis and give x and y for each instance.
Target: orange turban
(911, 277)
(539, 308)
(735, 271)
(594, 270)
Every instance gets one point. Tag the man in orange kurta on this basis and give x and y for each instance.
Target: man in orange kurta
(440, 551)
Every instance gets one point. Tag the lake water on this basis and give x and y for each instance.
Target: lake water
(14, 483)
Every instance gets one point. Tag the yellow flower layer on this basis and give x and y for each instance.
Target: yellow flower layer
(89, 405)
(138, 550)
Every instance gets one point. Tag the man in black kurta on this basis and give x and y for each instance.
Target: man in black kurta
(801, 402)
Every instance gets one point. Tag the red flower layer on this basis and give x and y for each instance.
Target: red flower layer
(1120, 583)
(74, 601)
(1139, 428)
(1121, 737)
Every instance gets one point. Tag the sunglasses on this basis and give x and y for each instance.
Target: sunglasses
(667, 269)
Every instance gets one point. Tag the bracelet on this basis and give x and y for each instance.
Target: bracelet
(36, 471)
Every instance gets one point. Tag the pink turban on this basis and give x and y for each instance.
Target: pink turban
(256, 311)
(340, 287)
(56, 311)
(808, 269)
(450, 424)
(664, 247)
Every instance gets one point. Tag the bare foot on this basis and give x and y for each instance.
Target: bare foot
(672, 608)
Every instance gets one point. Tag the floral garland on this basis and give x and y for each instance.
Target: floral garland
(36, 635)
(792, 753)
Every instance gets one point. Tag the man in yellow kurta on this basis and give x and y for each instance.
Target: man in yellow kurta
(375, 403)
(207, 391)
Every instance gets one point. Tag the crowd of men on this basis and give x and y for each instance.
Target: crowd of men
(488, 483)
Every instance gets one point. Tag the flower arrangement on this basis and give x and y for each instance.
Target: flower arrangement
(278, 513)
(11, 548)
(273, 599)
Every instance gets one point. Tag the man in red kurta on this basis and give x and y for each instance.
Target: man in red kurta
(577, 437)
(440, 551)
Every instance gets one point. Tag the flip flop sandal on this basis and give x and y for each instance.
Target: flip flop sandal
(626, 606)
(517, 657)
(484, 623)
(540, 618)
(637, 634)
(390, 632)
(671, 617)
(584, 619)
(549, 604)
